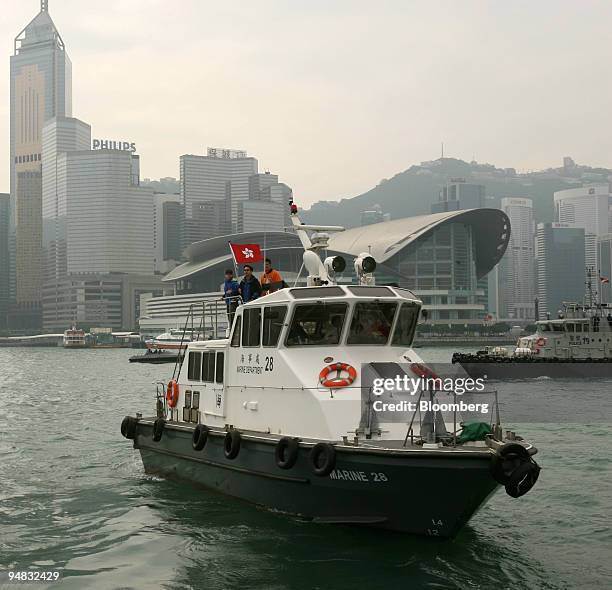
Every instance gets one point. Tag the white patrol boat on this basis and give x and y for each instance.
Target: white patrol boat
(576, 344)
(283, 414)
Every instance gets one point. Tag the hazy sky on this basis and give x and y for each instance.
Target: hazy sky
(335, 95)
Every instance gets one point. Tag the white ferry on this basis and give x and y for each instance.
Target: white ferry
(281, 413)
(74, 338)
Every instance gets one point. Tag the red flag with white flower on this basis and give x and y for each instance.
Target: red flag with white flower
(246, 253)
(604, 280)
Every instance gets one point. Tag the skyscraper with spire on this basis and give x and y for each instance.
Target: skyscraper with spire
(40, 88)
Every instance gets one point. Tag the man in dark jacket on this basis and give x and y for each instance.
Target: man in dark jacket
(250, 288)
(231, 295)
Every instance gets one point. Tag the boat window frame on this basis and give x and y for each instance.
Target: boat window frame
(282, 327)
(219, 364)
(417, 308)
(334, 301)
(250, 310)
(190, 365)
(236, 337)
(377, 300)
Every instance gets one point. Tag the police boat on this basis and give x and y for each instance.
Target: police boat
(284, 412)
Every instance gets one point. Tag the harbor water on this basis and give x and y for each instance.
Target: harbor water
(74, 497)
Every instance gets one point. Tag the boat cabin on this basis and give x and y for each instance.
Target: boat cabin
(277, 349)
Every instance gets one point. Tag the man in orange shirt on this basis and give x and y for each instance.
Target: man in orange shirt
(271, 280)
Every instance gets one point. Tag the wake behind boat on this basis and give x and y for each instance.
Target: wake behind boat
(283, 413)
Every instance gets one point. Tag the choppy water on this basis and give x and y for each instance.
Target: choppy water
(73, 495)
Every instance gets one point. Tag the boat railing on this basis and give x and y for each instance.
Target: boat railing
(214, 317)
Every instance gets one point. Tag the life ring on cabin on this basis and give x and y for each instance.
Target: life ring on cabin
(322, 459)
(540, 341)
(286, 452)
(337, 381)
(200, 436)
(172, 393)
(423, 371)
(158, 429)
(231, 444)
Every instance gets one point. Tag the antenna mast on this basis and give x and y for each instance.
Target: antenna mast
(44, 5)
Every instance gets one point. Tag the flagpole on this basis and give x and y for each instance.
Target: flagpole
(233, 258)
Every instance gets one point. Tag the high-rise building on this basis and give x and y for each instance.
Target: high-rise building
(5, 208)
(257, 215)
(40, 88)
(216, 182)
(605, 268)
(168, 221)
(459, 194)
(258, 182)
(516, 276)
(560, 265)
(99, 229)
(59, 135)
(587, 207)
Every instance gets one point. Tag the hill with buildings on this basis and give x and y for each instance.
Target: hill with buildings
(413, 191)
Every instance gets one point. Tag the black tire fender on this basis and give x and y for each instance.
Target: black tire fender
(506, 459)
(286, 452)
(200, 436)
(158, 429)
(522, 479)
(231, 444)
(128, 427)
(322, 459)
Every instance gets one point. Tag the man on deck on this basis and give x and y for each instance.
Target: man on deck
(271, 280)
(250, 288)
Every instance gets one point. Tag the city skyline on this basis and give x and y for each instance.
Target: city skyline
(375, 84)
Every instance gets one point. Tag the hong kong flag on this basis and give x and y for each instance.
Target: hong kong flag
(246, 253)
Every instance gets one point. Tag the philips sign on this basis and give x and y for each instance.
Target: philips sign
(107, 144)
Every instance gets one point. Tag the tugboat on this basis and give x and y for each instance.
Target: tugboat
(578, 344)
(280, 415)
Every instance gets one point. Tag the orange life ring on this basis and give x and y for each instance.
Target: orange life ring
(172, 393)
(540, 341)
(337, 381)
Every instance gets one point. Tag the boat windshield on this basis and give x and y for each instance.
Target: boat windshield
(317, 324)
(372, 322)
(406, 325)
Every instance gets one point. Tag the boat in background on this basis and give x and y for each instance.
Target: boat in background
(74, 338)
(173, 340)
(577, 344)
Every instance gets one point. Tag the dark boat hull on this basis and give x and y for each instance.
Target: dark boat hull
(478, 366)
(423, 492)
(156, 357)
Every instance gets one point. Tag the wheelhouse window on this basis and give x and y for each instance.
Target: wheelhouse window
(251, 330)
(236, 332)
(406, 325)
(372, 322)
(317, 324)
(208, 367)
(273, 321)
(558, 327)
(220, 365)
(193, 366)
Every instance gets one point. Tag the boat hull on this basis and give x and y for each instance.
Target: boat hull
(426, 493)
(529, 368)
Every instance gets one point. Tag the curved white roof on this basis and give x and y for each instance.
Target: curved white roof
(381, 240)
